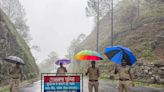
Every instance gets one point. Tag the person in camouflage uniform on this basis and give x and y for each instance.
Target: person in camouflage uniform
(93, 72)
(16, 75)
(125, 77)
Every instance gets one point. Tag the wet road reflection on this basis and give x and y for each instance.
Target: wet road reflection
(105, 86)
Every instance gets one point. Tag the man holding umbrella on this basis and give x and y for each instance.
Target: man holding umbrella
(16, 75)
(93, 72)
(61, 70)
(15, 72)
(124, 57)
(125, 76)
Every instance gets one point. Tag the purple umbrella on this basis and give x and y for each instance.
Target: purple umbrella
(63, 61)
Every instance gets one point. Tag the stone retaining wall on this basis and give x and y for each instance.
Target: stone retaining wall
(152, 73)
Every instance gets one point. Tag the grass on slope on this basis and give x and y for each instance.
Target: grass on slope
(25, 50)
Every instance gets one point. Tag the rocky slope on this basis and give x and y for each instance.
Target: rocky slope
(11, 43)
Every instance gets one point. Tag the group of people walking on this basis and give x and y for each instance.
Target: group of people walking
(123, 71)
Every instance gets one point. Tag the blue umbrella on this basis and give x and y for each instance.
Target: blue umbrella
(117, 53)
(63, 61)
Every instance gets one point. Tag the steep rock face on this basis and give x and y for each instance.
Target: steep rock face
(11, 43)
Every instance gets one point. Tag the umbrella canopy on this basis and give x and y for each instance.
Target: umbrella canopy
(118, 53)
(63, 61)
(88, 55)
(14, 59)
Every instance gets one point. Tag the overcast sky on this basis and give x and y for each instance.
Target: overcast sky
(54, 23)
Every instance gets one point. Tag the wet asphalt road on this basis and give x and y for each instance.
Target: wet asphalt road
(105, 86)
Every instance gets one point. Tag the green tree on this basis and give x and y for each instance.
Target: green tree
(129, 12)
(15, 11)
(74, 48)
(52, 57)
(92, 8)
(36, 48)
(48, 64)
(76, 45)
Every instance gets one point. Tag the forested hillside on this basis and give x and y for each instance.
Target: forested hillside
(133, 29)
(138, 24)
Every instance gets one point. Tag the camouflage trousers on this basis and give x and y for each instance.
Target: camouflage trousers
(94, 84)
(124, 86)
(14, 85)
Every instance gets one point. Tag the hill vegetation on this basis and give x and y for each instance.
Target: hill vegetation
(138, 24)
(11, 43)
